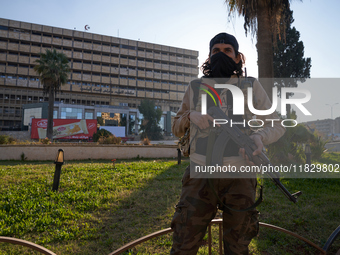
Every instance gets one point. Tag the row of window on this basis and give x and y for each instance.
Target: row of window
(23, 97)
(99, 43)
(122, 76)
(66, 97)
(94, 86)
(8, 76)
(35, 99)
(33, 78)
(73, 113)
(100, 54)
(174, 109)
(119, 68)
(14, 124)
(154, 90)
(11, 111)
(133, 67)
(122, 67)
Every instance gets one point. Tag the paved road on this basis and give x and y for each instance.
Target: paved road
(333, 146)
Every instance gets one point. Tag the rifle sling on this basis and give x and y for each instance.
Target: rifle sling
(210, 147)
(215, 151)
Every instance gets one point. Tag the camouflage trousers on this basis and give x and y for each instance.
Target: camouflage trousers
(198, 206)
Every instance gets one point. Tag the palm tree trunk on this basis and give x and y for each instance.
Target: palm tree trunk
(50, 114)
(264, 49)
(288, 107)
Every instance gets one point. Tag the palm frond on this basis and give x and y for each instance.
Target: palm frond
(249, 10)
(53, 69)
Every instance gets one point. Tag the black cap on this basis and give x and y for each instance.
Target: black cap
(224, 38)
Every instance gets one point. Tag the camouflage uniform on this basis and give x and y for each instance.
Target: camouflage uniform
(198, 204)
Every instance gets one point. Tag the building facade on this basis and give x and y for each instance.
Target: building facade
(106, 72)
(326, 127)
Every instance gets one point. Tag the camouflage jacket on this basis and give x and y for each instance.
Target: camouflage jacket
(270, 131)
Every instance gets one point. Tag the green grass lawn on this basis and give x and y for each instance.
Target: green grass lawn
(100, 207)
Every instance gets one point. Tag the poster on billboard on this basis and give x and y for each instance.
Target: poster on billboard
(64, 128)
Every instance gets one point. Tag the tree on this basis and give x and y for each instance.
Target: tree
(100, 121)
(101, 133)
(263, 18)
(289, 61)
(124, 122)
(289, 148)
(151, 117)
(53, 70)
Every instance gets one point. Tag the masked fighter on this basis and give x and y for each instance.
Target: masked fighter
(198, 202)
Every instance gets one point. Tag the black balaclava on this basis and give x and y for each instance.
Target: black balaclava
(221, 64)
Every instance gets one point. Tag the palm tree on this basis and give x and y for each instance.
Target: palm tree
(264, 18)
(53, 69)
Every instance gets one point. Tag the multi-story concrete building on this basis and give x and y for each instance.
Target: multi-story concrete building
(107, 73)
(327, 127)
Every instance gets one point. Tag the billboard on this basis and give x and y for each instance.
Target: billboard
(64, 128)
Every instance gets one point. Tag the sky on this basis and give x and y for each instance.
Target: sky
(191, 24)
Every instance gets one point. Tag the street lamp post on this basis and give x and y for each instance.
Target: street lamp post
(332, 124)
(308, 153)
(331, 105)
(59, 161)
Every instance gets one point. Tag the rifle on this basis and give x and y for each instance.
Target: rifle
(244, 141)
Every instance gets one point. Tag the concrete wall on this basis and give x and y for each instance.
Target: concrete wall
(19, 135)
(77, 152)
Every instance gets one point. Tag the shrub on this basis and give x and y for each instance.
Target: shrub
(289, 148)
(6, 139)
(23, 157)
(317, 147)
(152, 115)
(109, 140)
(101, 133)
(45, 141)
(145, 141)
